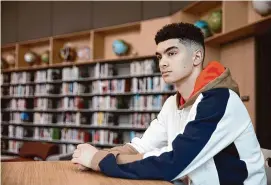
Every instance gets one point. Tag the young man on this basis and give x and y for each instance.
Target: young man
(204, 132)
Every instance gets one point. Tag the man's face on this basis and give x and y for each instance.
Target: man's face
(175, 60)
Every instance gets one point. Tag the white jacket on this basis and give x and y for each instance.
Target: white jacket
(210, 139)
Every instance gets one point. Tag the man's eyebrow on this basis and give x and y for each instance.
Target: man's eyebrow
(170, 48)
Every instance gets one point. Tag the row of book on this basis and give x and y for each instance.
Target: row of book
(19, 90)
(30, 90)
(140, 120)
(15, 146)
(11, 145)
(144, 67)
(150, 102)
(66, 103)
(97, 87)
(111, 86)
(44, 75)
(73, 135)
(135, 103)
(135, 120)
(150, 84)
(93, 71)
(138, 67)
(21, 77)
(17, 104)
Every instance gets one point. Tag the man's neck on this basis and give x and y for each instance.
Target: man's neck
(186, 86)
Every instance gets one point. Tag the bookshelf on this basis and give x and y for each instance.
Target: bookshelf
(60, 101)
(101, 93)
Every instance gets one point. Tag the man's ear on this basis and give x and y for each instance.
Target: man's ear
(197, 57)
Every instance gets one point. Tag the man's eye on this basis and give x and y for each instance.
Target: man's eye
(159, 57)
(172, 53)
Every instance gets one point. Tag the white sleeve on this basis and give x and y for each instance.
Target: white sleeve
(155, 137)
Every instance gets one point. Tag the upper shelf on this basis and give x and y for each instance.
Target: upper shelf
(248, 30)
(60, 65)
(239, 20)
(200, 7)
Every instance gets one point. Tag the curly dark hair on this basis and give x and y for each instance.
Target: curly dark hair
(183, 31)
(180, 31)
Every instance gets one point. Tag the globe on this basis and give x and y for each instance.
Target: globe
(203, 25)
(10, 59)
(262, 7)
(120, 47)
(45, 57)
(215, 21)
(4, 64)
(30, 57)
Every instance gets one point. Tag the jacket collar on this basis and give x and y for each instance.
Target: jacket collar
(215, 75)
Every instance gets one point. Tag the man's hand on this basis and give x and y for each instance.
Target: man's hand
(83, 155)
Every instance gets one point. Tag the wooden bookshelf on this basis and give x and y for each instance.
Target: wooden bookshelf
(82, 110)
(231, 46)
(57, 142)
(30, 124)
(90, 95)
(76, 41)
(7, 152)
(103, 40)
(248, 30)
(10, 53)
(126, 113)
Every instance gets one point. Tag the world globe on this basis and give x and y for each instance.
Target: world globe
(203, 25)
(215, 21)
(120, 47)
(30, 57)
(45, 57)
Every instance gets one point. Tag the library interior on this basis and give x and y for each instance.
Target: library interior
(75, 72)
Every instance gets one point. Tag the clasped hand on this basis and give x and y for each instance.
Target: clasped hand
(83, 156)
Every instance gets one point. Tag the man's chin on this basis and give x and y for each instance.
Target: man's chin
(169, 81)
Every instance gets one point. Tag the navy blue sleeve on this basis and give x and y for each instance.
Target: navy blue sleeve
(185, 147)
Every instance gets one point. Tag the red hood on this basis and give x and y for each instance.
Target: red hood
(212, 71)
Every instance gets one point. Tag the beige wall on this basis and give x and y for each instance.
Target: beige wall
(31, 20)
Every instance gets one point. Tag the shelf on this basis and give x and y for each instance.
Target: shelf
(91, 94)
(7, 152)
(58, 141)
(29, 124)
(32, 68)
(9, 55)
(239, 20)
(61, 65)
(201, 7)
(248, 30)
(126, 76)
(17, 97)
(83, 110)
(86, 79)
(33, 83)
(77, 42)
(104, 38)
(37, 47)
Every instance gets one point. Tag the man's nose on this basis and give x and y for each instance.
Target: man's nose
(163, 63)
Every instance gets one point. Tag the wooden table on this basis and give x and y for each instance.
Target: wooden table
(60, 173)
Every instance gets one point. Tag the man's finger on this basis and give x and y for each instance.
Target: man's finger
(76, 154)
(80, 145)
(76, 161)
(81, 167)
